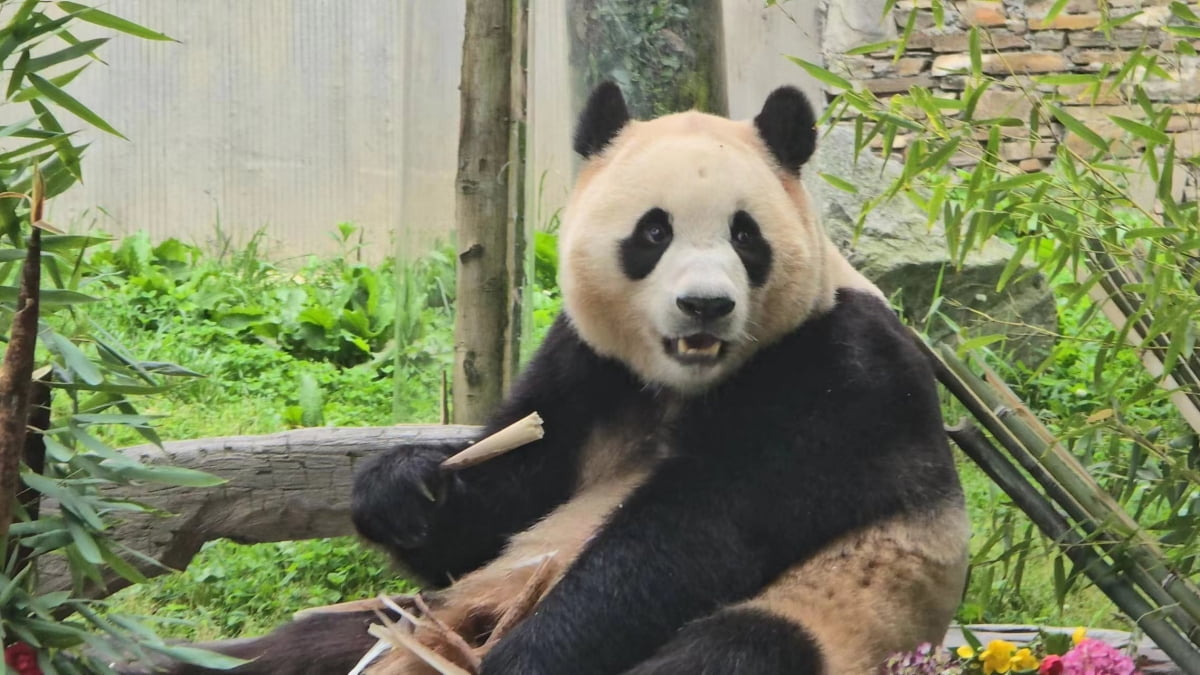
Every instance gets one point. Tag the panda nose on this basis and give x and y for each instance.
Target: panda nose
(705, 308)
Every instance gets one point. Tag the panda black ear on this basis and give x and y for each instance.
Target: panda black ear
(601, 120)
(787, 124)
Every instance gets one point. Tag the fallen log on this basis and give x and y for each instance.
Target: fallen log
(281, 487)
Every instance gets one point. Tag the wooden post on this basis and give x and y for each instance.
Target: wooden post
(483, 318)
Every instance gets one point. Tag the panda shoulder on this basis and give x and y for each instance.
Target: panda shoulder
(872, 339)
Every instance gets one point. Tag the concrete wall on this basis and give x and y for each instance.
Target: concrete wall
(295, 115)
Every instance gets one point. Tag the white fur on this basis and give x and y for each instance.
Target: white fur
(701, 170)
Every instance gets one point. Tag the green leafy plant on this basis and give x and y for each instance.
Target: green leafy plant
(52, 347)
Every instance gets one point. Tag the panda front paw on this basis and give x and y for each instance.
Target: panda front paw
(396, 496)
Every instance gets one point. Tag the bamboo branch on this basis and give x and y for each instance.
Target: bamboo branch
(1067, 483)
(972, 442)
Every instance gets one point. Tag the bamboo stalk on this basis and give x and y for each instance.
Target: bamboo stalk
(1058, 471)
(1081, 497)
(972, 442)
(522, 432)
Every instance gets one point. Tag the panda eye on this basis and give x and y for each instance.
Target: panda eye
(654, 227)
(744, 231)
(655, 234)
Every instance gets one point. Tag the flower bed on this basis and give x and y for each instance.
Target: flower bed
(1045, 652)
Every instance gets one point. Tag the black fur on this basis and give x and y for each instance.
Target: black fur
(787, 124)
(754, 251)
(320, 645)
(767, 472)
(642, 249)
(736, 642)
(603, 117)
(479, 508)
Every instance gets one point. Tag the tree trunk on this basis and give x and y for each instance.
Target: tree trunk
(667, 55)
(281, 487)
(484, 296)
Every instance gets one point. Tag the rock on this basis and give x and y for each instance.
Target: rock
(848, 25)
(905, 257)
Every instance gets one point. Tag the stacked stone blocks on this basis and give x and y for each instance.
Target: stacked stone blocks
(1020, 41)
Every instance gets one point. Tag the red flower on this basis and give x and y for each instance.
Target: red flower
(1051, 665)
(21, 658)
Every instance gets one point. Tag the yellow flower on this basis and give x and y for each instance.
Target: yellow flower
(998, 656)
(1024, 660)
(965, 652)
(1078, 636)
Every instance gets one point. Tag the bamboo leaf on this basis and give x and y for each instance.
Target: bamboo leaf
(75, 51)
(873, 47)
(1078, 128)
(30, 93)
(1061, 79)
(978, 342)
(196, 656)
(1184, 31)
(839, 183)
(975, 52)
(74, 359)
(822, 75)
(170, 475)
(1055, 9)
(84, 543)
(72, 105)
(1143, 131)
(1182, 11)
(117, 23)
(19, 72)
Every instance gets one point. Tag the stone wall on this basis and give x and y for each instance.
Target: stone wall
(1019, 42)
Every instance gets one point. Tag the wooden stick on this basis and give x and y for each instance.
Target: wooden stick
(449, 634)
(525, 602)
(521, 432)
(362, 605)
(396, 636)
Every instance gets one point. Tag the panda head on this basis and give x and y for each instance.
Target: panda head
(689, 241)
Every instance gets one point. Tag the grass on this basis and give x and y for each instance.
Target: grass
(314, 345)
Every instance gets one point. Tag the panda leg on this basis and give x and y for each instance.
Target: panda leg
(318, 645)
(740, 641)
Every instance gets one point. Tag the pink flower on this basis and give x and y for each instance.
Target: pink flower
(1051, 665)
(21, 658)
(1093, 657)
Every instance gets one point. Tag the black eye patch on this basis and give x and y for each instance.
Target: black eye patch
(642, 249)
(751, 247)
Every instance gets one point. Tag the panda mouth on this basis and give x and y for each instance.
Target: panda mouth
(701, 348)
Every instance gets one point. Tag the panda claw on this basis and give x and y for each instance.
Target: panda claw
(426, 492)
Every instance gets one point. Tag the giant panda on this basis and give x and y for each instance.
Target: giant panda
(744, 468)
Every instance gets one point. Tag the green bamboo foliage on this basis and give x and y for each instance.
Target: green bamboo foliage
(1107, 225)
(51, 346)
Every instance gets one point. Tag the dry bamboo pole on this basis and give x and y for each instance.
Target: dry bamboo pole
(972, 442)
(1122, 309)
(1069, 485)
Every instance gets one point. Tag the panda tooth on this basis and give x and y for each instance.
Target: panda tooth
(683, 347)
